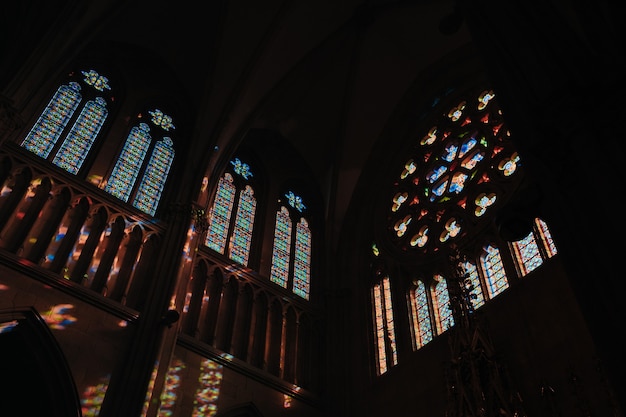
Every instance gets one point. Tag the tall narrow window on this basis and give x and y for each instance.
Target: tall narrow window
(131, 163)
(227, 234)
(59, 113)
(291, 254)
(385, 334)
(244, 222)
(495, 276)
(441, 302)
(420, 316)
(302, 265)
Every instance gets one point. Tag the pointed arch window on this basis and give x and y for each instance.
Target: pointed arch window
(226, 234)
(146, 138)
(495, 275)
(441, 302)
(420, 315)
(385, 333)
(291, 253)
(90, 94)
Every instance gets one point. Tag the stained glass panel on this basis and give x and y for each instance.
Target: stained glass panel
(48, 128)
(526, 253)
(126, 170)
(445, 320)
(244, 223)
(420, 315)
(495, 276)
(281, 252)
(155, 176)
(391, 331)
(219, 215)
(380, 329)
(78, 142)
(302, 266)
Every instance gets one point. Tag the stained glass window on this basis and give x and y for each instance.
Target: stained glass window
(446, 186)
(495, 276)
(385, 334)
(78, 142)
(291, 256)
(420, 316)
(50, 125)
(530, 252)
(131, 164)
(443, 312)
(234, 194)
(154, 177)
(53, 122)
(302, 265)
(526, 253)
(281, 254)
(122, 179)
(219, 215)
(244, 222)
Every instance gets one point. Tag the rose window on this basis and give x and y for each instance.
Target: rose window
(458, 174)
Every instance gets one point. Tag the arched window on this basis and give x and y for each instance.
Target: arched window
(234, 194)
(385, 333)
(530, 252)
(495, 275)
(291, 253)
(143, 139)
(420, 315)
(86, 93)
(441, 303)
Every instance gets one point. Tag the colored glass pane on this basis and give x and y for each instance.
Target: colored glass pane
(493, 268)
(422, 330)
(81, 137)
(281, 253)
(423, 314)
(391, 331)
(48, 128)
(295, 201)
(154, 177)
(126, 170)
(241, 168)
(526, 253)
(466, 147)
(244, 223)
(445, 320)
(219, 215)
(302, 255)
(379, 323)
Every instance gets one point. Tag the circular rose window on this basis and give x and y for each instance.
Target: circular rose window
(457, 175)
